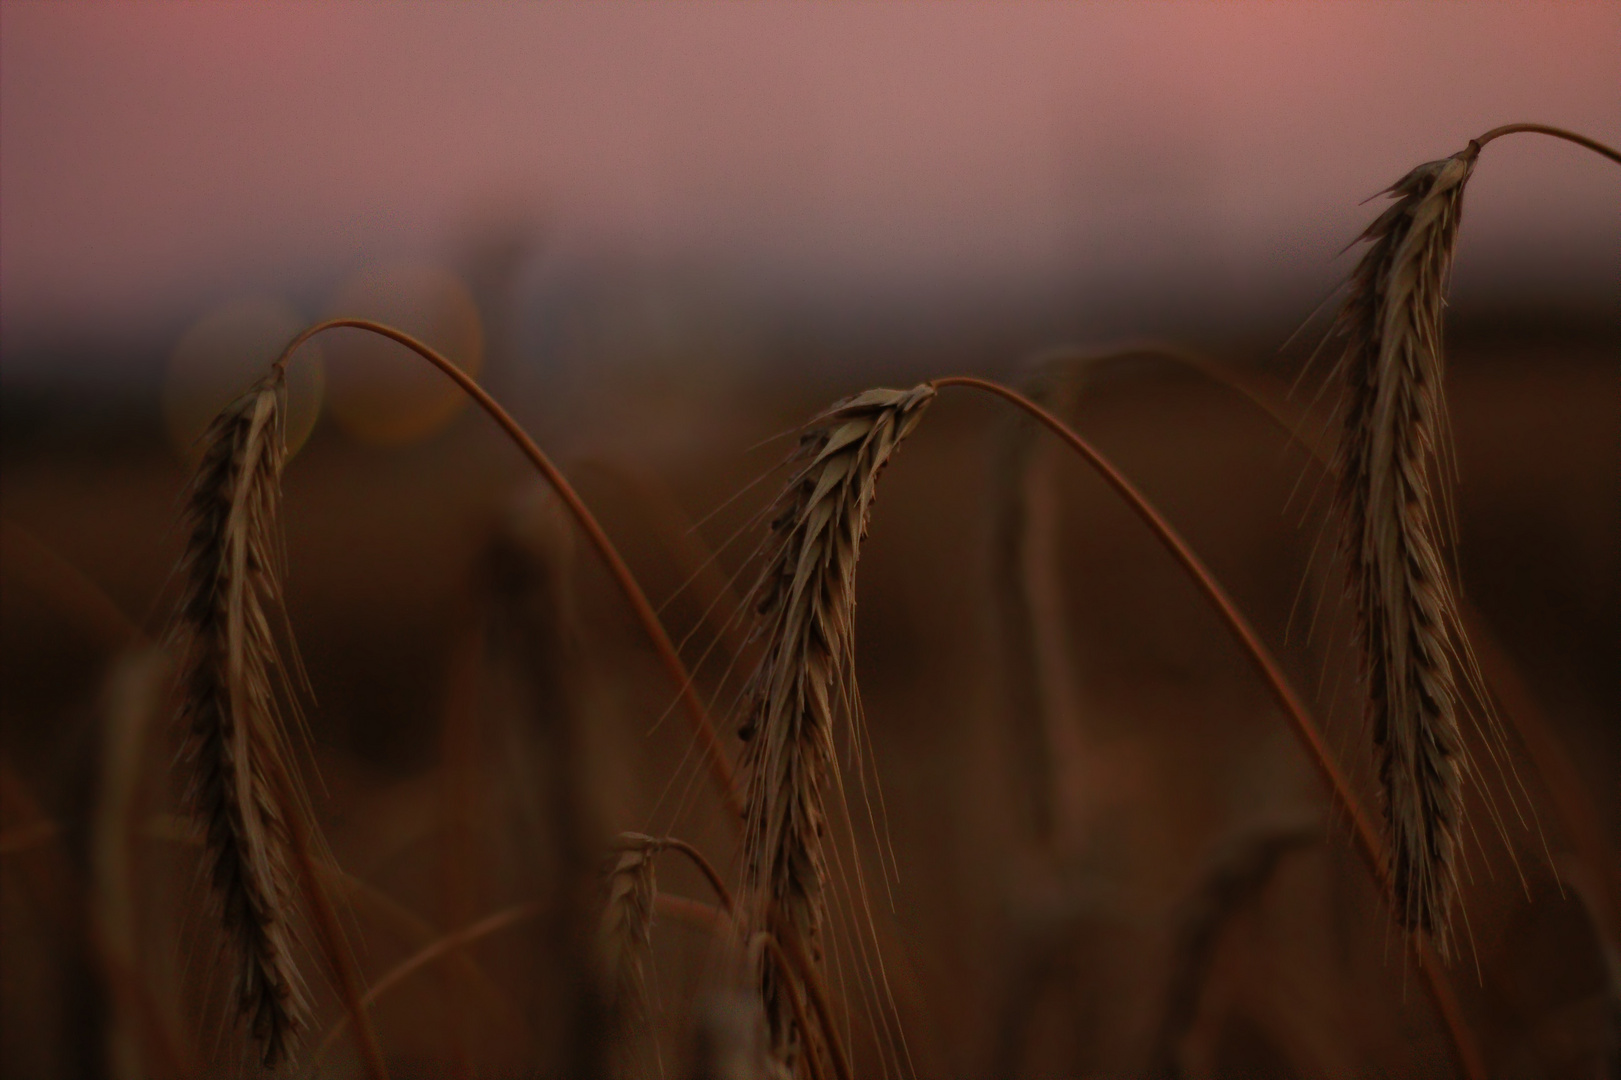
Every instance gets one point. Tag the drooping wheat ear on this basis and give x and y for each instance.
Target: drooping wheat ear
(237, 754)
(805, 598)
(1408, 625)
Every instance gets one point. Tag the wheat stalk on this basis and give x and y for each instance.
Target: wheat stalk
(805, 597)
(136, 695)
(1237, 873)
(1039, 675)
(1408, 625)
(237, 748)
(1498, 674)
(1045, 697)
(719, 765)
(533, 644)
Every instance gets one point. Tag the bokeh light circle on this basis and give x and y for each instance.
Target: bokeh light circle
(225, 352)
(379, 392)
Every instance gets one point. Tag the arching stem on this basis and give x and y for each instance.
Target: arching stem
(1545, 129)
(705, 867)
(446, 945)
(720, 768)
(1367, 840)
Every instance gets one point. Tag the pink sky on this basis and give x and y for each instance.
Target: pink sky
(149, 155)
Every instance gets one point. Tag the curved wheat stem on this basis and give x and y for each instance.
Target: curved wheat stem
(1367, 839)
(1499, 674)
(1547, 129)
(446, 945)
(719, 766)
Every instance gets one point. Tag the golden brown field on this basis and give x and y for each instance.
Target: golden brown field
(810, 542)
(1100, 854)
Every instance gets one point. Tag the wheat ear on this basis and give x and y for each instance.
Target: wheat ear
(626, 937)
(1408, 625)
(1408, 622)
(237, 745)
(805, 598)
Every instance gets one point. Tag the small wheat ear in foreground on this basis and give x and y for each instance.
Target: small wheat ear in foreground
(1414, 651)
(805, 598)
(627, 924)
(237, 749)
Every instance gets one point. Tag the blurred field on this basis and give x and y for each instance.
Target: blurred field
(1078, 837)
(1006, 957)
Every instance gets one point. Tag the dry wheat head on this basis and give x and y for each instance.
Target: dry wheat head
(1407, 618)
(237, 756)
(805, 599)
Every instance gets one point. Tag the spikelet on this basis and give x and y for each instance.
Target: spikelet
(237, 754)
(1408, 626)
(805, 598)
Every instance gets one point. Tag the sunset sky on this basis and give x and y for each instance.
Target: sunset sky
(155, 159)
